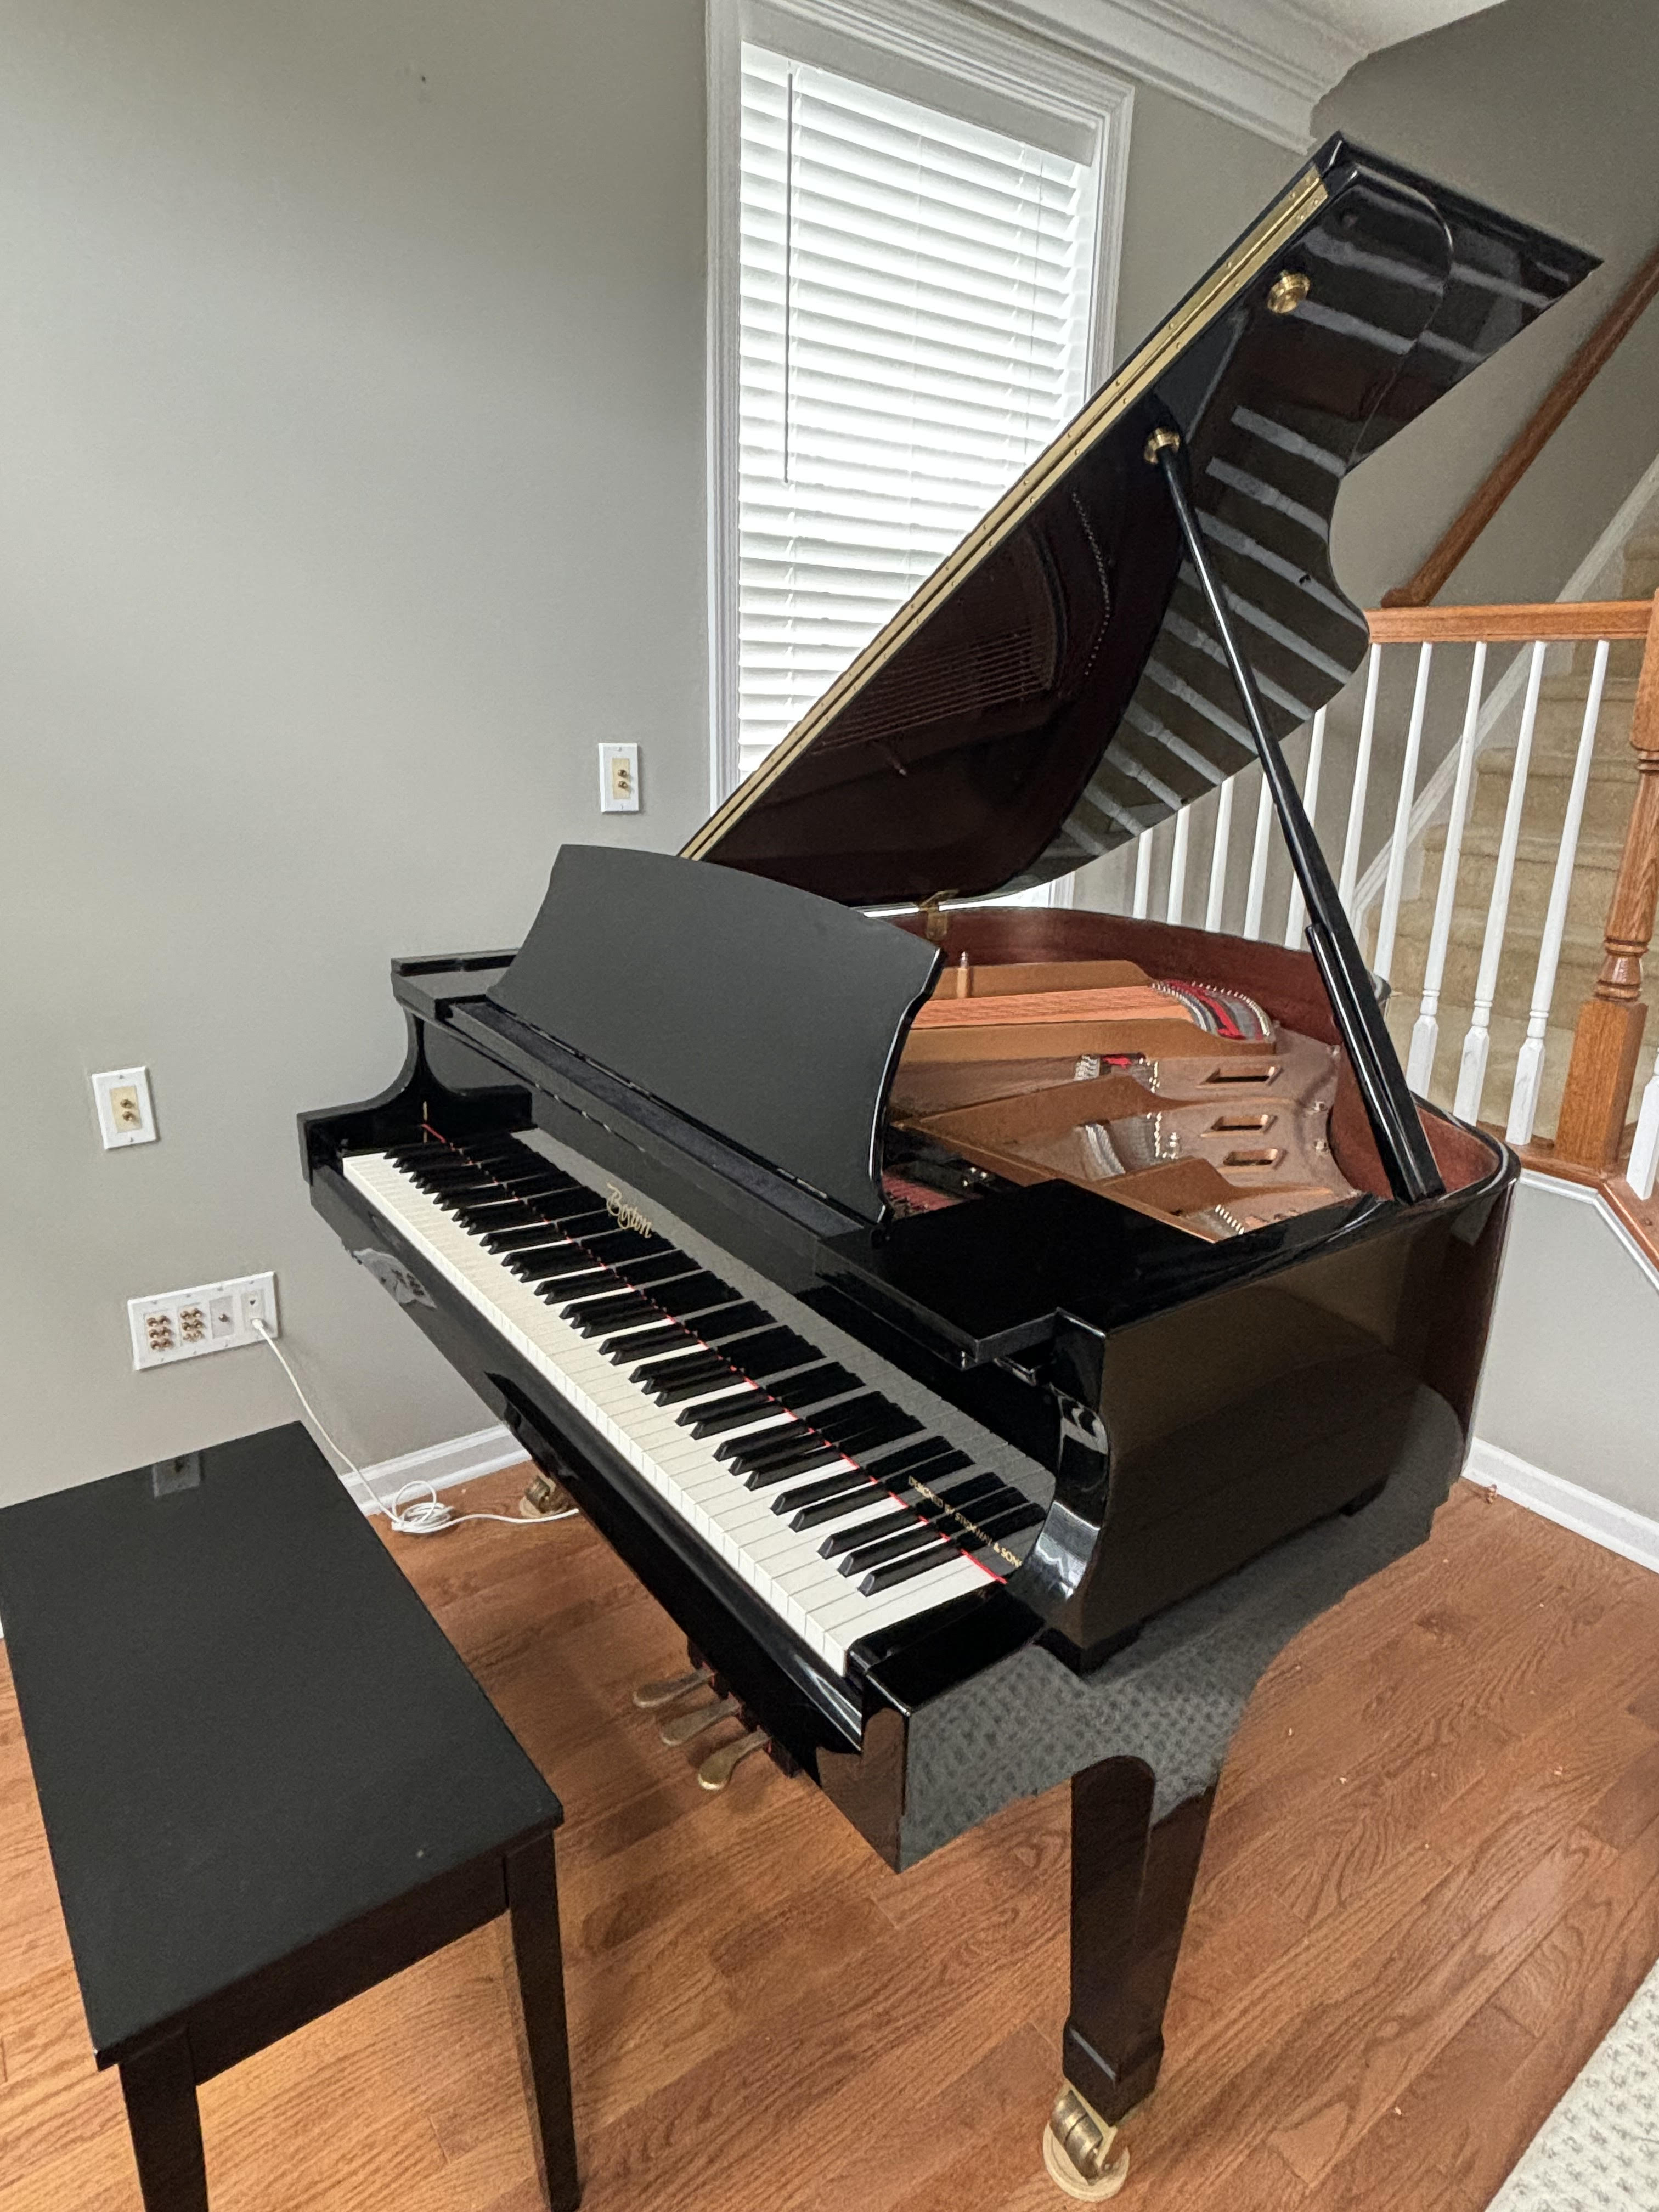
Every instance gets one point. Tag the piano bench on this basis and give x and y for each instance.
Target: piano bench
(267, 1779)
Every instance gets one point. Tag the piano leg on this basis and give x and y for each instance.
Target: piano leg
(1132, 1882)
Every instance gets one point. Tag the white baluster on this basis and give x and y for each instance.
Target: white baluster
(1395, 880)
(1298, 913)
(1224, 838)
(1362, 774)
(1183, 830)
(1254, 895)
(1530, 1068)
(1477, 1043)
(1426, 1034)
(1644, 1153)
(1143, 875)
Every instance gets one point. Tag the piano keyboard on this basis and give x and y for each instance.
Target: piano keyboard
(831, 1500)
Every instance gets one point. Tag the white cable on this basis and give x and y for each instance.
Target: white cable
(430, 1517)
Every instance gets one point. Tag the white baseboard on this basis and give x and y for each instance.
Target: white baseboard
(462, 1459)
(1615, 1527)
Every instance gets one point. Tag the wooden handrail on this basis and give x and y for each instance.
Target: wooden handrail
(1518, 457)
(1561, 621)
(1607, 1040)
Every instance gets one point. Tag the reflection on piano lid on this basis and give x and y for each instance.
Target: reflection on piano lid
(1056, 686)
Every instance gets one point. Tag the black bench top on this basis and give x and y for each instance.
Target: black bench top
(246, 1729)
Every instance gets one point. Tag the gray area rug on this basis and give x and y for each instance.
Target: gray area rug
(1599, 2150)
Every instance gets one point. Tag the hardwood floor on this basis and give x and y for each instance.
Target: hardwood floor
(1431, 1881)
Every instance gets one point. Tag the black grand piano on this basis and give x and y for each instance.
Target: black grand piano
(993, 1332)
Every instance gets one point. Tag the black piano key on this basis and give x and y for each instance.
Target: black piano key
(520, 1240)
(842, 1496)
(641, 1343)
(728, 1322)
(917, 1467)
(507, 1217)
(709, 1395)
(876, 1551)
(877, 1527)
(883, 1426)
(814, 1387)
(800, 1460)
(979, 1492)
(842, 1484)
(917, 1458)
(664, 1269)
(615, 1246)
(743, 1453)
(447, 1167)
(576, 1225)
(905, 1570)
(603, 1315)
(977, 1509)
(692, 1294)
(773, 1352)
(854, 1412)
(553, 1263)
(715, 1418)
(680, 1379)
(1000, 1526)
(885, 1429)
(480, 1206)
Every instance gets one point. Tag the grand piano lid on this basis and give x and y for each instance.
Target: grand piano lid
(1054, 689)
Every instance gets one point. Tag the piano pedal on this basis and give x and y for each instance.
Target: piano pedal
(650, 1695)
(686, 1725)
(1076, 2149)
(721, 1765)
(543, 1496)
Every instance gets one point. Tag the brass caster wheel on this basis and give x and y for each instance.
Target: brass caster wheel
(543, 1497)
(1076, 2149)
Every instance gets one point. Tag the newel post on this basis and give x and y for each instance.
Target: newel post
(1608, 1038)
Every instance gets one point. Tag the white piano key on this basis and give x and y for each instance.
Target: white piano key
(783, 1565)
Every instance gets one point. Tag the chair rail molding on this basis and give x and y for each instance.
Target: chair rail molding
(1264, 63)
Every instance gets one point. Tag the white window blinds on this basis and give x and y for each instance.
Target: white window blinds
(916, 297)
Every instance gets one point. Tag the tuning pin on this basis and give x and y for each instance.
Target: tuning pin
(721, 1765)
(650, 1695)
(693, 1723)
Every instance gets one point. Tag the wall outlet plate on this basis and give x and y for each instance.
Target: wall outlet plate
(174, 1325)
(126, 1115)
(619, 779)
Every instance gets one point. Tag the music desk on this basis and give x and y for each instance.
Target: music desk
(268, 1781)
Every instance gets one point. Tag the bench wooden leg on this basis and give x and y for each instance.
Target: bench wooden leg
(160, 2088)
(538, 1981)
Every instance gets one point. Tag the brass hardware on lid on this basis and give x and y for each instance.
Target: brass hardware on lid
(1160, 441)
(935, 926)
(1289, 289)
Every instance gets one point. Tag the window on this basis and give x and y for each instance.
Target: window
(910, 292)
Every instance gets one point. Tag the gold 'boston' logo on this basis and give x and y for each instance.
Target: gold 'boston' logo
(625, 1215)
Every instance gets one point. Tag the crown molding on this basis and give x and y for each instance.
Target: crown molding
(1264, 63)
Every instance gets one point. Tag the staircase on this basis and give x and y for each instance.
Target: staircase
(1607, 813)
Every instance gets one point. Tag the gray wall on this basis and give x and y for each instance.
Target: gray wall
(1548, 112)
(351, 424)
(351, 427)
(352, 419)
(1569, 1380)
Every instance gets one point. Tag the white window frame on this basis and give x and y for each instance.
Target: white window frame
(917, 49)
